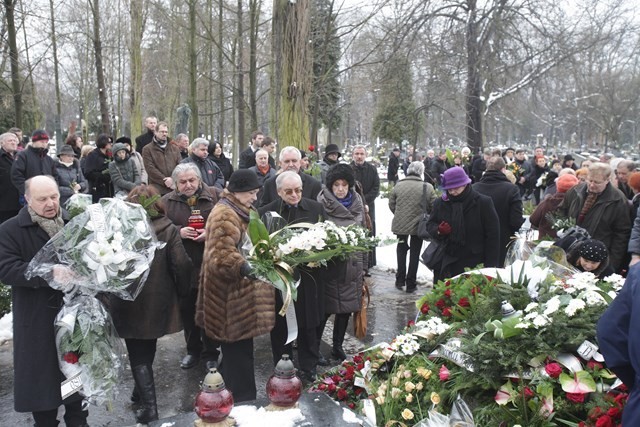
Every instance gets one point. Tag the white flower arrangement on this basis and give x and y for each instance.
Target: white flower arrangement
(432, 326)
(405, 344)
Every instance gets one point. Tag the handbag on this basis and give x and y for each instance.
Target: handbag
(360, 318)
(434, 254)
(422, 223)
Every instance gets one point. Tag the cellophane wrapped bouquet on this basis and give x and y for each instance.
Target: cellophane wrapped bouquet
(106, 249)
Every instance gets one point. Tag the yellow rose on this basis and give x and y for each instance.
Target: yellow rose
(407, 414)
(435, 398)
(427, 374)
(409, 398)
(409, 386)
(395, 381)
(395, 392)
(419, 386)
(380, 400)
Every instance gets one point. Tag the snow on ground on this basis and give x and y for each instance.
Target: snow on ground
(386, 256)
(6, 328)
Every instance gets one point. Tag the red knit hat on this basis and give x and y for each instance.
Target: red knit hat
(565, 182)
(634, 181)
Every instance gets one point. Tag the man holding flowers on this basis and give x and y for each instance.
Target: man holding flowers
(37, 376)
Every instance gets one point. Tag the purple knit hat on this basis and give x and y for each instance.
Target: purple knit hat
(454, 177)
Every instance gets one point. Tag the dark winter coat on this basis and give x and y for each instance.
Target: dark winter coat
(619, 342)
(392, 168)
(478, 167)
(247, 158)
(124, 174)
(31, 162)
(144, 139)
(155, 311)
(65, 175)
(310, 189)
(539, 216)
(231, 307)
(96, 170)
(224, 164)
(481, 229)
(37, 377)
(261, 179)
(178, 211)
(210, 172)
(607, 220)
(407, 204)
(9, 195)
(438, 167)
(343, 279)
(310, 310)
(507, 203)
(160, 163)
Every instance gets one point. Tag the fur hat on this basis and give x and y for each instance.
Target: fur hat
(454, 177)
(243, 180)
(124, 140)
(594, 250)
(332, 148)
(340, 171)
(39, 135)
(565, 182)
(66, 149)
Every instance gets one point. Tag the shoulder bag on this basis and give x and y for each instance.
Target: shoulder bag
(422, 223)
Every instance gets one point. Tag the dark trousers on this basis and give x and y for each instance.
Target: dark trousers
(74, 416)
(238, 370)
(372, 214)
(141, 352)
(413, 244)
(198, 343)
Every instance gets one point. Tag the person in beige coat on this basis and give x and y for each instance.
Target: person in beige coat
(406, 201)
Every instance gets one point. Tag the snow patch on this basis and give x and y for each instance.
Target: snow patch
(250, 416)
(6, 328)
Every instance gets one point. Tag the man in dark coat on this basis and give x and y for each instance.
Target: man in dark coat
(150, 129)
(602, 210)
(525, 169)
(619, 342)
(96, 168)
(248, 156)
(37, 376)
(293, 208)
(479, 165)
(209, 171)
(506, 200)
(367, 175)
(32, 161)
(290, 161)
(9, 196)
(438, 166)
(160, 158)
(394, 165)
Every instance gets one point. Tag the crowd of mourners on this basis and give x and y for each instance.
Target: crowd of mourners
(201, 282)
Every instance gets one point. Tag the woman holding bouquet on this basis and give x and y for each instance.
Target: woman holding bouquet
(155, 312)
(233, 307)
(466, 224)
(343, 279)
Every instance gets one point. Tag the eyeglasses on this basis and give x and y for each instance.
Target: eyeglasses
(290, 191)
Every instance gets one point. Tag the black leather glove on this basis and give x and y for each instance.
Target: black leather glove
(247, 271)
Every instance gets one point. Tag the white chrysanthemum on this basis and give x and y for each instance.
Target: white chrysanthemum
(434, 325)
(612, 294)
(593, 298)
(405, 344)
(522, 325)
(583, 280)
(616, 280)
(531, 316)
(531, 306)
(540, 321)
(552, 306)
(574, 306)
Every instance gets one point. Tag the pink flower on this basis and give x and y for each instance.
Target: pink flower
(444, 373)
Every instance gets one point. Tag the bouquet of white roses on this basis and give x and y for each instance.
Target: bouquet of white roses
(274, 256)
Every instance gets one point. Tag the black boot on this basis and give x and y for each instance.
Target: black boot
(135, 396)
(143, 376)
(340, 323)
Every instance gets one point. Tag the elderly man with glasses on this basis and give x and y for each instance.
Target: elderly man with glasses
(602, 210)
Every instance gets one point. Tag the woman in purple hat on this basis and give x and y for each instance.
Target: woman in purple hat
(466, 223)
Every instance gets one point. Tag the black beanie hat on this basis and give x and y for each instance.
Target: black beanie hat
(594, 250)
(340, 171)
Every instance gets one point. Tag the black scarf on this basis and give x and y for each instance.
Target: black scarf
(459, 204)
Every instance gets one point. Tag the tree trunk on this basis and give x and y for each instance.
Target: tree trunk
(221, 92)
(473, 103)
(102, 89)
(254, 13)
(239, 90)
(193, 71)
(292, 72)
(56, 78)
(136, 10)
(16, 90)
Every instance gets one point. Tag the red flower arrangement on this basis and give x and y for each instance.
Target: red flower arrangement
(339, 382)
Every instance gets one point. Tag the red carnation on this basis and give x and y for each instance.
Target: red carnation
(357, 359)
(464, 302)
(322, 386)
(614, 412)
(425, 308)
(604, 421)
(447, 293)
(342, 394)
(441, 304)
(553, 370)
(447, 283)
(71, 357)
(592, 364)
(446, 312)
(475, 290)
(410, 323)
(352, 405)
(332, 388)
(575, 397)
(336, 378)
